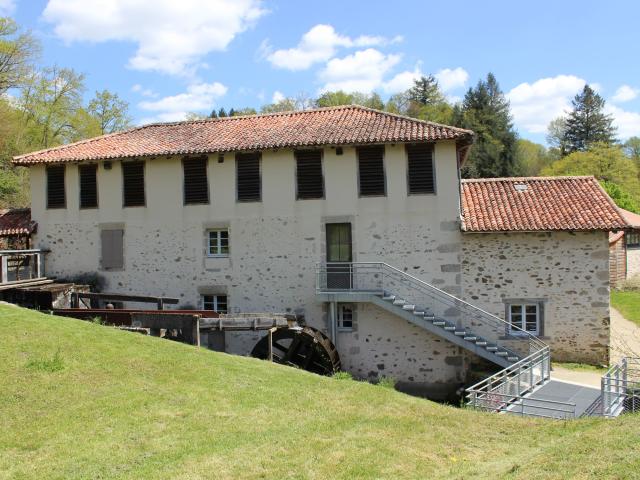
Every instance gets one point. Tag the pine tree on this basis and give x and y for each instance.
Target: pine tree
(426, 91)
(213, 114)
(232, 112)
(222, 113)
(587, 123)
(486, 111)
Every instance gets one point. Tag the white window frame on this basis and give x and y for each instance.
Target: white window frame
(213, 301)
(341, 316)
(523, 314)
(216, 251)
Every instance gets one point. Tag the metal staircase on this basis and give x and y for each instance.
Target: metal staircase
(524, 357)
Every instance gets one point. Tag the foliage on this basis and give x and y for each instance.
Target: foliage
(632, 149)
(605, 162)
(532, 157)
(342, 376)
(134, 406)
(53, 364)
(426, 91)
(620, 196)
(556, 135)
(485, 110)
(18, 50)
(387, 382)
(110, 111)
(335, 99)
(587, 123)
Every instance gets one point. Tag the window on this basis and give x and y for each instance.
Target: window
(632, 239)
(420, 177)
(310, 183)
(218, 243)
(56, 197)
(248, 177)
(133, 184)
(217, 303)
(88, 186)
(345, 316)
(371, 171)
(524, 316)
(196, 185)
(112, 244)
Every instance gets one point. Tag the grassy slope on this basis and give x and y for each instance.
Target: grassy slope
(131, 406)
(628, 304)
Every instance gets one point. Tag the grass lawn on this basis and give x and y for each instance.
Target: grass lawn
(79, 400)
(580, 367)
(628, 304)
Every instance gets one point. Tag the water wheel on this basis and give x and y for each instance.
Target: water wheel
(302, 347)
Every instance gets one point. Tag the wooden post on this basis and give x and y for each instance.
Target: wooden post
(270, 344)
(4, 269)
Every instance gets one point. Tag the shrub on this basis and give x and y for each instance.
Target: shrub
(342, 376)
(387, 382)
(55, 364)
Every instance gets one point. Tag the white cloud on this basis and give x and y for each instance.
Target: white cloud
(171, 36)
(145, 92)
(450, 79)
(628, 123)
(277, 97)
(402, 81)
(199, 97)
(7, 7)
(534, 105)
(362, 71)
(625, 93)
(318, 45)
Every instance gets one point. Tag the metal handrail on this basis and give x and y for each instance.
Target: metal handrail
(535, 343)
(619, 384)
(512, 378)
(21, 265)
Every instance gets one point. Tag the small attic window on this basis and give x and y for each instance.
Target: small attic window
(521, 187)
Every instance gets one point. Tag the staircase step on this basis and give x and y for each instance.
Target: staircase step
(399, 301)
(460, 333)
(409, 307)
(469, 338)
(389, 298)
(492, 348)
(418, 313)
(513, 359)
(481, 343)
(502, 353)
(439, 323)
(450, 328)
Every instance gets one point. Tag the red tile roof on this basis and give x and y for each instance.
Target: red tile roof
(633, 219)
(345, 125)
(16, 222)
(538, 204)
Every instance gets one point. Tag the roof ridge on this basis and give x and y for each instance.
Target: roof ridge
(527, 179)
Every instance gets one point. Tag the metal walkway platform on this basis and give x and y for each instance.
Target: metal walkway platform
(537, 403)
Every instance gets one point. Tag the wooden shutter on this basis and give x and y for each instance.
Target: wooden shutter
(112, 242)
(420, 168)
(248, 177)
(196, 185)
(56, 196)
(88, 186)
(133, 184)
(371, 171)
(310, 182)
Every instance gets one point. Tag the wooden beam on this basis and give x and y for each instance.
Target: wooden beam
(119, 297)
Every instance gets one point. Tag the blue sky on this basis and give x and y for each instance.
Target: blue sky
(167, 57)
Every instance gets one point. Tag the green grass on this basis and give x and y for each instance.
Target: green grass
(628, 304)
(580, 367)
(128, 406)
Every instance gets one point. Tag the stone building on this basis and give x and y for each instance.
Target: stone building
(297, 211)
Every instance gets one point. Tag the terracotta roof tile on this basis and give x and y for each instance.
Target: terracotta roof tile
(16, 222)
(538, 204)
(346, 125)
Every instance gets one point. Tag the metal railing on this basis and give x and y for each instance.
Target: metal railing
(620, 388)
(503, 391)
(21, 265)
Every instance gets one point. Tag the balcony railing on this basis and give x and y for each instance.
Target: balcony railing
(19, 266)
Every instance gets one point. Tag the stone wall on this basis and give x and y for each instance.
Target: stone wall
(567, 272)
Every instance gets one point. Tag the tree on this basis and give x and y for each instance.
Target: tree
(243, 111)
(426, 91)
(284, 105)
(532, 157)
(605, 162)
(620, 196)
(17, 53)
(632, 149)
(556, 133)
(587, 123)
(50, 102)
(486, 111)
(110, 111)
(222, 113)
(334, 99)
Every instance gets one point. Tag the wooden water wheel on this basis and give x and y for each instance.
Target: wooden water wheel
(302, 347)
